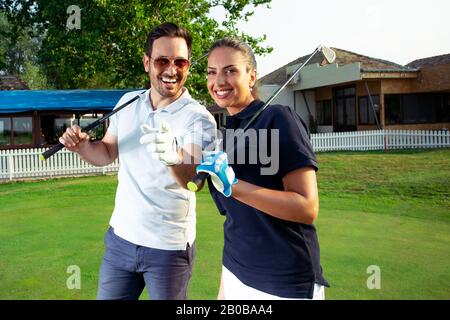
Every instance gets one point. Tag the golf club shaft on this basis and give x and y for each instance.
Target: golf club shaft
(47, 154)
(198, 181)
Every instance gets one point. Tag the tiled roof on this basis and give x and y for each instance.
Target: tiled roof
(279, 75)
(343, 57)
(431, 61)
(8, 82)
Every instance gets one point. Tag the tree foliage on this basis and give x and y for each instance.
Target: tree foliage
(106, 51)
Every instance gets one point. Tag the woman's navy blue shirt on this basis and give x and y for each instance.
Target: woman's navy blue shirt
(276, 256)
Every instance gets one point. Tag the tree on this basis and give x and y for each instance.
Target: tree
(3, 41)
(18, 49)
(106, 50)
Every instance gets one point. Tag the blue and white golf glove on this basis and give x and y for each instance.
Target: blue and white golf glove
(222, 175)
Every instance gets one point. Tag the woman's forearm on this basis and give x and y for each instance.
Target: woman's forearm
(286, 205)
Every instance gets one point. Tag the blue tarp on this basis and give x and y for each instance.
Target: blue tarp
(15, 101)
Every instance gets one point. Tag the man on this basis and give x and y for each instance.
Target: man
(151, 237)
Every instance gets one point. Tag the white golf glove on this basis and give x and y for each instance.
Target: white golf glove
(161, 143)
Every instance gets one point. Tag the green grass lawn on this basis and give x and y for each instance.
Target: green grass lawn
(391, 210)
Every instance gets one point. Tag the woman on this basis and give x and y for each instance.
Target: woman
(271, 250)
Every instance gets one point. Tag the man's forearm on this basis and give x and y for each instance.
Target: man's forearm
(185, 172)
(97, 153)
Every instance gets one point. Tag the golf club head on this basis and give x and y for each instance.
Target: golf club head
(329, 54)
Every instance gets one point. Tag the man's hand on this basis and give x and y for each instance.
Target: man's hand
(222, 175)
(73, 139)
(161, 143)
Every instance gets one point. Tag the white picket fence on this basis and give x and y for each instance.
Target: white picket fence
(25, 163)
(380, 140)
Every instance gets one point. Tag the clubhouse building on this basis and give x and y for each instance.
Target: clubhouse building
(357, 92)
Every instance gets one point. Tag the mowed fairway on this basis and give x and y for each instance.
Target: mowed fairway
(390, 210)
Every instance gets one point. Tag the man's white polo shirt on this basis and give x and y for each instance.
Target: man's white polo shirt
(151, 209)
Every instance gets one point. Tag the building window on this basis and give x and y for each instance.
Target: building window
(16, 131)
(393, 110)
(410, 103)
(366, 112)
(5, 132)
(88, 118)
(22, 130)
(220, 120)
(61, 124)
(442, 101)
(344, 112)
(53, 126)
(351, 91)
(217, 118)
(417, 108)
(323, 113)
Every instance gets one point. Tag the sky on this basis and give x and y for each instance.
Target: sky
(399, 31)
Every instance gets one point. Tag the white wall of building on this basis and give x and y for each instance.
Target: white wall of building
(300, 105)
(295, 101)
(285, 97)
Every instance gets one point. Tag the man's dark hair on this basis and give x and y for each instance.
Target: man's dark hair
(167, 29)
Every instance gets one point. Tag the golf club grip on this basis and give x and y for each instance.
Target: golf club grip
(47, 154)
(50, 152)
(197, 183)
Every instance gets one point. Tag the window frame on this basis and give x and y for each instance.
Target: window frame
(323, 104)
(369, 110)
(440, 104)
(13, 144)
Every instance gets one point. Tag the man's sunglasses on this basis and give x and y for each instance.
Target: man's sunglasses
(163, 63)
